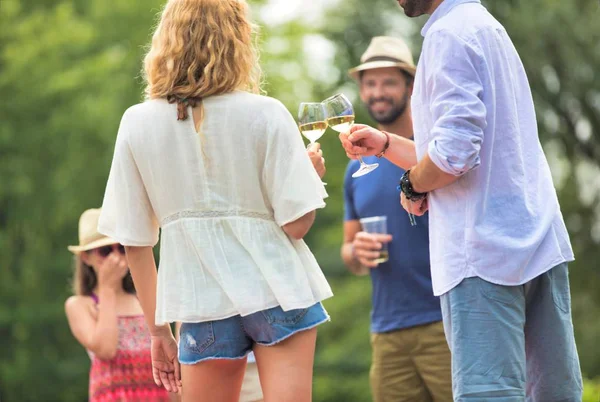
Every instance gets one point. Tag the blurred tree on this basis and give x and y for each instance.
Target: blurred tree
(67, 71)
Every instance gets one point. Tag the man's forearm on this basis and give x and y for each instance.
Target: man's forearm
(426, 176)
(352, 264)
(401, 152)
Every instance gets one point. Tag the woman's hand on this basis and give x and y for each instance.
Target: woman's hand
(165, 366)
(316, 157)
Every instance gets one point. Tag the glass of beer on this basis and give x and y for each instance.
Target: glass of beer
(377, 225)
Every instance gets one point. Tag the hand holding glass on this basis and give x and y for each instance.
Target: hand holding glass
(340, 117)
(377, 225)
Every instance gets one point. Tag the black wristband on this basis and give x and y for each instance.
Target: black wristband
(405, 186)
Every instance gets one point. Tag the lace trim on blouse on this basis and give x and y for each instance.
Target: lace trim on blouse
(216, 214)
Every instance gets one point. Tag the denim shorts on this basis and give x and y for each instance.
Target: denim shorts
(234, 337)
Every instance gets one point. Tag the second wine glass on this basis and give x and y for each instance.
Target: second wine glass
(311, 122)
(340, 117)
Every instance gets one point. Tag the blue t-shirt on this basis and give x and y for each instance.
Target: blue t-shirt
(402, 292)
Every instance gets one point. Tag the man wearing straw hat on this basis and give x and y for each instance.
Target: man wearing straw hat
(411, 359)
(498, 242)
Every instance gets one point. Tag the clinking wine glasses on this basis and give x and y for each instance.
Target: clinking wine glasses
(336, 112)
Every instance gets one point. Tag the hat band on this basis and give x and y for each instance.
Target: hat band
(383, 58)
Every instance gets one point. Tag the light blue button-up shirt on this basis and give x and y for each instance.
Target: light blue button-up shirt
(473, 114)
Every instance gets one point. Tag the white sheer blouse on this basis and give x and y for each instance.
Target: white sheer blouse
(220, 198)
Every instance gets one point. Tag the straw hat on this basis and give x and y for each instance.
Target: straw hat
(385, 51)
(89, 238)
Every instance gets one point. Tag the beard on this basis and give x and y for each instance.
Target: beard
(415, 8)
(392, 114)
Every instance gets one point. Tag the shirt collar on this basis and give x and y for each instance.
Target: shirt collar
(442, 10)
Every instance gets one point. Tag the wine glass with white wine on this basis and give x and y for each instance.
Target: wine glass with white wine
(340, 117)
(311, 121)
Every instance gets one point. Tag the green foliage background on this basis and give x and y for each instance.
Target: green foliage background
(68, 70)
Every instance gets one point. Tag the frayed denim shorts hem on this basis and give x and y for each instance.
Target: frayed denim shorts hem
(233, 338)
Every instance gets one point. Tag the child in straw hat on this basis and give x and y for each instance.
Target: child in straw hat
(105, 317)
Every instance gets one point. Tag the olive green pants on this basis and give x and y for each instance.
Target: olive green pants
(411, 364)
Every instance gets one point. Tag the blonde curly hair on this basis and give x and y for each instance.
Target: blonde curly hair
(201, 48)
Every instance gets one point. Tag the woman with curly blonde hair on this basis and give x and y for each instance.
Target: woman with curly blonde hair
(223, 173)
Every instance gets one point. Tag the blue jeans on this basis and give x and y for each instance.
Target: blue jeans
(234, 337)
(513, 343)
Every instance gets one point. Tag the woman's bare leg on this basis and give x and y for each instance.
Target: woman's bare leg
(218, 380)
(286, 369)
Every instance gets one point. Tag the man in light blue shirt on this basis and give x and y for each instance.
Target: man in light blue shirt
(498, 243)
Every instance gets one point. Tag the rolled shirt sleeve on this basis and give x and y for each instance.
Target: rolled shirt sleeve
(456, 104)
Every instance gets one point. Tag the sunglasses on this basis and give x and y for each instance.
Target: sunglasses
(105, 251)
